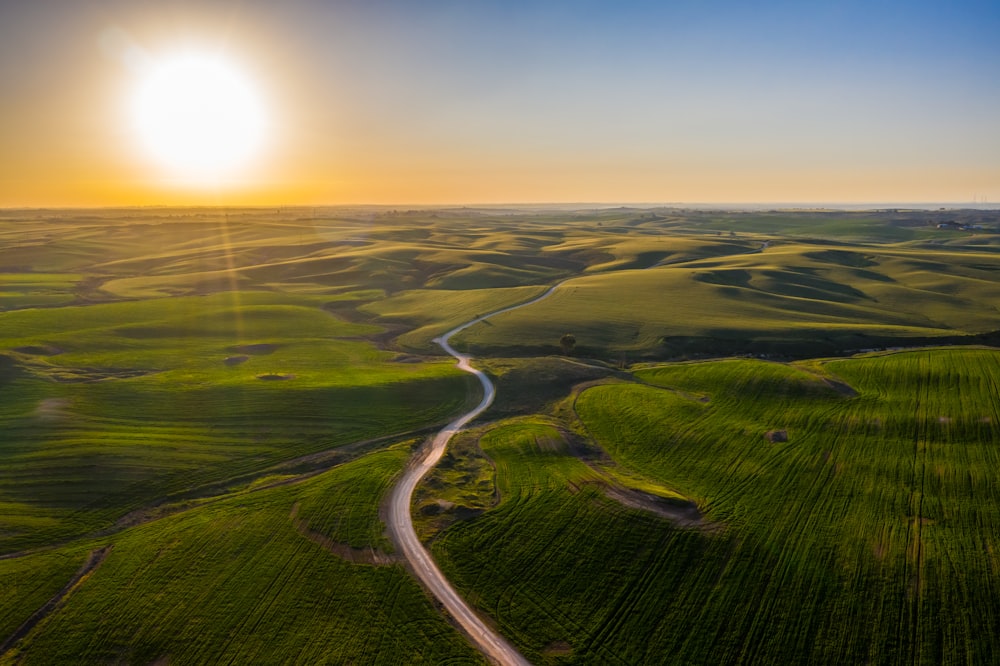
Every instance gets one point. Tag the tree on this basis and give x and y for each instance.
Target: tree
(567, 342)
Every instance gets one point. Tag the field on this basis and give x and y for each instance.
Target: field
(275, 585)
(866, 537)
(787, 299)
(203, 411)
(116, 406)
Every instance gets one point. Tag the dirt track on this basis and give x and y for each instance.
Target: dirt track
(400, 522)
(93, 561)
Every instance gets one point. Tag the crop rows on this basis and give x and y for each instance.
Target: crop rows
(236, 582)
(867, 536)
(127, 404)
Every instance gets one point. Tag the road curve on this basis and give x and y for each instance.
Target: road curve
(492, 644)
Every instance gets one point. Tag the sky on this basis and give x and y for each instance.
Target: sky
(473, 102)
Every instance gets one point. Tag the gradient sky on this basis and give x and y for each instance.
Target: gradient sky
(501, 102)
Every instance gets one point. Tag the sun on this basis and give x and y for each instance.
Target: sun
(198, 116)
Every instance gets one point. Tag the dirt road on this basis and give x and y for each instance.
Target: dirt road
(492, 644)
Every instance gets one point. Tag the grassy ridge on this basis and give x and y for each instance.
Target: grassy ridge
(236, 582)
(430, 313)
(572, 576)
(114, 406)
(18, 290)
(797, 299)
(533, 470)
(866, 537)
(344, 505)
(831, 289)
(66, 479)
(889, 491)
(28, 582)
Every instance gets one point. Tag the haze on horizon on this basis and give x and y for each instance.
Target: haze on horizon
(448, 102)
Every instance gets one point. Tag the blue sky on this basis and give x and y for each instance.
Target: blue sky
(465, 102)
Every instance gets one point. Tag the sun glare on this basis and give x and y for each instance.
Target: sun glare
(199, 117)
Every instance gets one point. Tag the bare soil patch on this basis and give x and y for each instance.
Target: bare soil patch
(436, 507)
(557, 649)
(843, 388)
(681, 514)
(275, 377)
(236, 360)
(52, 409)
(407, 358)
(262, 349)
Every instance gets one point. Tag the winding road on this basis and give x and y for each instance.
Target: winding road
(492, 644)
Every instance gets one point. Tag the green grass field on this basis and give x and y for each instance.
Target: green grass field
(222, 399)
(116, 406)
(239, 581)
(866, 537)
(789, 299)
(435, 312)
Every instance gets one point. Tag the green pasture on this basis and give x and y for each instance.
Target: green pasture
(534, 385)
(20, 290)
(566, 572)
(112, 407)
(789, 299)
(863, 227)
(29, 582)
(648, 251)
(867, 537)
(427, 313)
(225, 396)
(249, 579)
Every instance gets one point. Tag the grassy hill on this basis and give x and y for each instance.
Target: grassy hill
(862, 534)
(113, 407)
(202, 410)
(262, 577)
(789, 299)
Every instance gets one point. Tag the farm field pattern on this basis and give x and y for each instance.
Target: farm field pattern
(772, 437)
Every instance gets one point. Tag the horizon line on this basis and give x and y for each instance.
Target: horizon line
(593, 205)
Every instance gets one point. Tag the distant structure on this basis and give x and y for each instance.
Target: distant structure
(955, 226)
